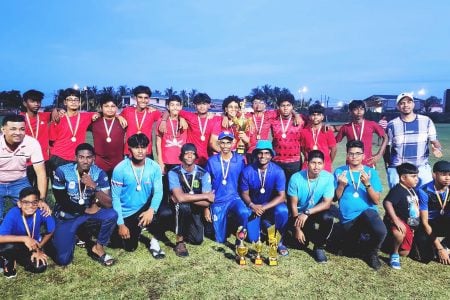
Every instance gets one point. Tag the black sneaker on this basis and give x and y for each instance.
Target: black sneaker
(320, 256)
(374, 262)
(9, 269)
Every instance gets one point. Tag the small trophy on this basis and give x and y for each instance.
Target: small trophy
(258, 248)
(241, 123)
(274, 238)
(241, 249)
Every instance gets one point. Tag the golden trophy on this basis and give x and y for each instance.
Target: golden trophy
(274, 238)
(258, 248)
(241, 249)
(241, 123)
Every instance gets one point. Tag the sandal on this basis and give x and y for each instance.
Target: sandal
(283, 250)
(106, 259)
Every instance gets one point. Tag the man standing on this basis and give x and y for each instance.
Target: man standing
(137, 193)
(262, 189)
(190, 186)
(358, 190)
(36, 125)
(409, 135)
(16, 150)
(70, 132)
(317, 137)
(108, 136)
(360, 129)
(81, 191)
(225, 169)
(310, 193)
(286, 137)
(140, 119)
(200, 126)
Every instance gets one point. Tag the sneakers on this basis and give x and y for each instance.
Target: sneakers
(320, 256)
(156, 250)
(9, 268)
(374, 262)
(395, 261)
(181, 250)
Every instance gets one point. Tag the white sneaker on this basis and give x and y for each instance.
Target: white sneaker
(156, 250)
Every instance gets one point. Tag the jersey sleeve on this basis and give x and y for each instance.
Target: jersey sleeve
(116, 191)
(59, 180)
(174, 180)
(423, 200)
(206, 183)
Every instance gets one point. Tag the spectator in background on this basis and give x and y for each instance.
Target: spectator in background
(383, 123)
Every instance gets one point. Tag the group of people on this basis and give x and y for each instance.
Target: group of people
(255, 170)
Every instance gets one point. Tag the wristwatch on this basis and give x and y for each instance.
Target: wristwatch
(307, 212)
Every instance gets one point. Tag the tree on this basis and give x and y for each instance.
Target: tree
(184, 97)
(10, 99)
(192, 94)
(169, 92)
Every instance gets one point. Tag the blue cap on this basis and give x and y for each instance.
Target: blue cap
(263, 145)
(226, 135)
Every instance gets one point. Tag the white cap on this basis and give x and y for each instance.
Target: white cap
(403, 95)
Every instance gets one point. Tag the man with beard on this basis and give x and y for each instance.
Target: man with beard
(262, 189)
(81, 191)
(409, 136)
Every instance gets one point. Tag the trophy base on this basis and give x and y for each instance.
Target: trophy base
(273, 262)
(258, 261)
(242, 261)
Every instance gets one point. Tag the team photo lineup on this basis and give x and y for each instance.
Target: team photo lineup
(267, 176)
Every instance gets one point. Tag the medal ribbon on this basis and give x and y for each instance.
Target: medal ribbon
(202, 129)
(108, 130)
(284, 129)
(361, 132)
(225, 172)
(191, 187)
(31, 128)
(24, 220)
(258, 128)
(316, 136)
(138, 180)
(139, 125)
(262, 178)
(74, 132)
(355, 186)
(443, 204)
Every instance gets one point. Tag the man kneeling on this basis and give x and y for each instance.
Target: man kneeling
(310, 194)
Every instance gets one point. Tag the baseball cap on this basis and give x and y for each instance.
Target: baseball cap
(403, 95)
(441, 166)
(188, 147)
(263, 145)
(226, 135)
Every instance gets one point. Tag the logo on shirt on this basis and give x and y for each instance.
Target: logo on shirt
(71, 184)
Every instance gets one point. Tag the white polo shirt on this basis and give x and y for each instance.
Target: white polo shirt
(13, 164)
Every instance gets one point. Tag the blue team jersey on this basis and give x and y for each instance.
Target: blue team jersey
(200, 184)
(66, 179)
(126, 197)
(309, 195)
(350, 207)
(229, 191)
(275, 182)
(13, 224)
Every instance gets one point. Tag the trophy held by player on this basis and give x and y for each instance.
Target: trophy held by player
(242, 124)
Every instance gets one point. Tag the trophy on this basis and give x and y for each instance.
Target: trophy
(274, 238)
(241, 123)
(241, 249)
(258, 248)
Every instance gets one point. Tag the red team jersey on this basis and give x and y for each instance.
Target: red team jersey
(261, 127)
(39, 131)
(370, 127)
(136, 122)
(108, 154)
(194, 134)
(287, 149)
(325, 140)
(61, 134)
(171, 142)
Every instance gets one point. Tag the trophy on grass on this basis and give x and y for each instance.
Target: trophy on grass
(241, 123)
(241, 249)
(258, 248)
(274, 238)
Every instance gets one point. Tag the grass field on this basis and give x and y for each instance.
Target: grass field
(210, 272)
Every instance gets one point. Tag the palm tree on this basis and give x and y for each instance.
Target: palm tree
(185, 98)
(169, 92)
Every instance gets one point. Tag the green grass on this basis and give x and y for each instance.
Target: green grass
(210, 272)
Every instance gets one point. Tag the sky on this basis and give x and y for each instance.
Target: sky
(343, 49)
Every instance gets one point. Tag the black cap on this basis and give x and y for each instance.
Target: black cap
(441, 166)
(188, 147)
